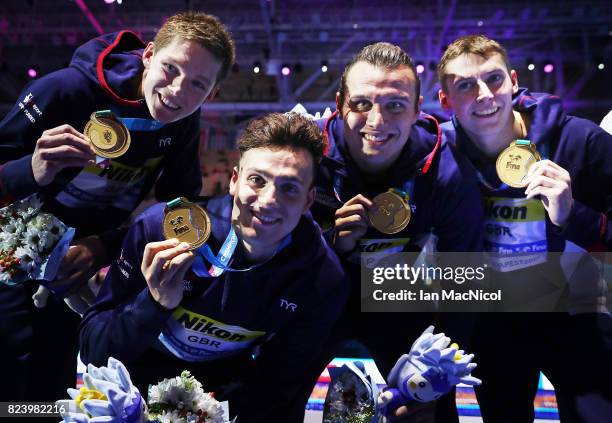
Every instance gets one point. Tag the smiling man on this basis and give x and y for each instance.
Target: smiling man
(156, 89)
(566, 203)
(250, 325)
(380, 142)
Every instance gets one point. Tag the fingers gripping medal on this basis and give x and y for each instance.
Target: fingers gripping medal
(108, 135)
(186, 221)
(392, 211)
(514, 162)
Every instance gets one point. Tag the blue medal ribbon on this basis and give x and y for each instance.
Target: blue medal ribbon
(142, 125)
(134, 124)
(220, 263)
(406, 192)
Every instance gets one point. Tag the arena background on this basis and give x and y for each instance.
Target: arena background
(291, 51)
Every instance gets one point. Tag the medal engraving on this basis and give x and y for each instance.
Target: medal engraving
(392, 213)
(109, 137)
(187, 222)
(513, 163)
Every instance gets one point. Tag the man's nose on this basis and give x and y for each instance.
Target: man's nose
(267, 195)
(484, 93)
(375, 116)
(178, 85)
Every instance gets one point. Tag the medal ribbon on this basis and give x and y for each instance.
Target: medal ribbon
(402, 194)
(132, 124)
(137, 124)
(406, 193)
(221, 261)
(533, 148)
(142, 125)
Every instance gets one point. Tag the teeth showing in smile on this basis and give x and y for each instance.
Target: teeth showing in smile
(487, 112)
(168, 103)
(264, 218)
(375, 138)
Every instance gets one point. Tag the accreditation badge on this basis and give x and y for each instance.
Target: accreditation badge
(392, 211)
(514, 162)
(109, 137)
(187, 222)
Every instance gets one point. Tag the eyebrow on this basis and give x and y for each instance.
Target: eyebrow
(395, 97)
(486, 73)
(270, 176)
(202, 78)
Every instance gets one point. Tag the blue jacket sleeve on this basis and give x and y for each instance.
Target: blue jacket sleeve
(588, 228)
(41, 105)
(590, 161)
(125, 320)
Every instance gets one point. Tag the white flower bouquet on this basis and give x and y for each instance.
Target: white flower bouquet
(182, 399)
(109, 396)
(32, 242)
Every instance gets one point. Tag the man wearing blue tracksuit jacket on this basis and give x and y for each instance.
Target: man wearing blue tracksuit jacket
(250, 331)
(376, 141)
(566, 205)
(157, 90)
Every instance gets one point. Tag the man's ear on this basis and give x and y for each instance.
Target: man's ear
(312, 192)
(338, 108)
(147, 54)
(233, 181)
(514, 79)
(444, 100)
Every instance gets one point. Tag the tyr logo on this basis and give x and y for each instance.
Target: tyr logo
(165, 142)
(287, 305)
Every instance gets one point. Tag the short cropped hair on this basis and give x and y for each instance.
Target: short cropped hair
(477, 44)
(384, 55)
(284, 131)
(206, 30)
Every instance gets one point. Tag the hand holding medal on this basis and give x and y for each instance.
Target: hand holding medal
(108, 135)
(351, 223)
(164, 265)
(389, 213)
(553, 185)
(59, 148)
(521, 166)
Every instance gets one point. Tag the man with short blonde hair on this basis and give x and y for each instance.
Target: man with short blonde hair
(566, 204)
(156, 90)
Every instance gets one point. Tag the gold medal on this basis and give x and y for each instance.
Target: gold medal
(392, 213)
(187, 222)
(514, 162)
(109, 136)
